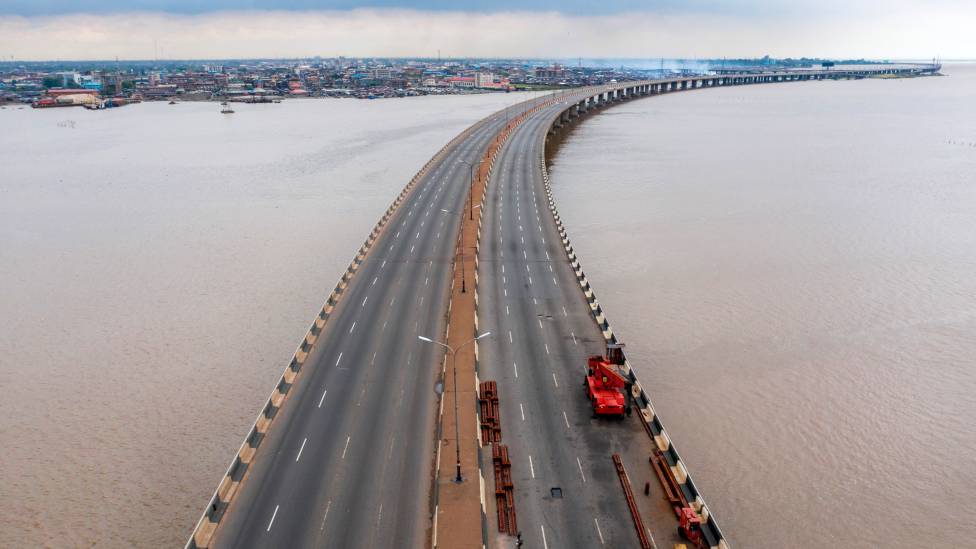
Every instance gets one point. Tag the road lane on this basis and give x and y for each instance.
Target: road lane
(364, 406)
(528, 290)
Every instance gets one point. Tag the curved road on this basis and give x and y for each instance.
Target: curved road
(348, 460)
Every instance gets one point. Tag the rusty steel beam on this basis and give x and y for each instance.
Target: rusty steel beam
(638, 523)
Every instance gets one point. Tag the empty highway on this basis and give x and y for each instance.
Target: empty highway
(532, 303)
(348, 460)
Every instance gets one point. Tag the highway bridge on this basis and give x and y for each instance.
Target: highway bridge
(344, 453)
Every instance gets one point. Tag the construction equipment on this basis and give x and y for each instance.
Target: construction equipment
(607, 385)
(689, 522)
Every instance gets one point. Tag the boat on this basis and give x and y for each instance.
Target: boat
(226, 108)
(172, 102)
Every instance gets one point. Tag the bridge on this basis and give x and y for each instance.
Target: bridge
(355, 446)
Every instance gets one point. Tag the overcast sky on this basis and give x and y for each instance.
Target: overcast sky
(188, 29)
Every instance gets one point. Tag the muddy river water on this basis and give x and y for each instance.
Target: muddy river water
(792, 266)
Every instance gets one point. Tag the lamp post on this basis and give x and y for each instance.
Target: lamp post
(461, 247)
(457, 430)
(471, 183)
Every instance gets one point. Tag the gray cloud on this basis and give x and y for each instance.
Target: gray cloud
(909, 33)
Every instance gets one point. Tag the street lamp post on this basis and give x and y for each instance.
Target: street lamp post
(471, 183)
(461, 247)
(457, 429)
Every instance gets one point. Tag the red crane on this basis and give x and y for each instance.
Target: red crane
(607, 384)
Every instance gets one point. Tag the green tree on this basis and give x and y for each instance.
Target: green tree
(128, 85)
(51, 82)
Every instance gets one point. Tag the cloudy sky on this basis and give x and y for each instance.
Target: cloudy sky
(189, 29)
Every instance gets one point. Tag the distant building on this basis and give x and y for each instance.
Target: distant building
(543, 72)
(383, 73)
(68, 78)
(461, 82)
(483, 80)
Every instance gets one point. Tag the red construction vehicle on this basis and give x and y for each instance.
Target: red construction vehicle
(607, 386)
(689, 522)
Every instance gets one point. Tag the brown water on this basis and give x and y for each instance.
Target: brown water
(793, 269)
(158, 266)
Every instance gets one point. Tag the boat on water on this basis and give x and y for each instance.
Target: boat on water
(227, 109)
(172, 102)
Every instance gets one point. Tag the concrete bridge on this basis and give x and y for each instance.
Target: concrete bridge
(346, 452)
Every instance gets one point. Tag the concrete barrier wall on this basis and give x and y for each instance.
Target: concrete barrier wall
(652, 423)
(203, 532)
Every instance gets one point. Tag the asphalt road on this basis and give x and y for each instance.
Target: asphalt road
(542, 333)
(347, 462)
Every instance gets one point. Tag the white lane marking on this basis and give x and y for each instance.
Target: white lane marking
(411, 248)
(353, 327)
(531, 468)
(516, 369)
(380, 518)
(384, 327)
(554, 380)
(581, 469)
(554, 282)
(523, 411)
(338, 359)
(273, 517)
(426, 280)
(574, 338)
(566, 418)
(530, 280)
(544, 544)
(327, 505)
(361, 397)
(398, 235)
(510, 337)
(375, 279)
(547, 348)
(300, 449)
(322, 399)
(550, 268)
(547, 253)
(418, 235)
(564, 311)
(506, 310)
(391, 248)
(506, 293)
(524, 254)
(346, 448)
(599, 532)
(392, 441)
(364, 301)
(383, 265)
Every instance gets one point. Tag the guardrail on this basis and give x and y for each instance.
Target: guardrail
(652, 423)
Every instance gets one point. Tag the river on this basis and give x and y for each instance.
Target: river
(793, 269)
(159, 265)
